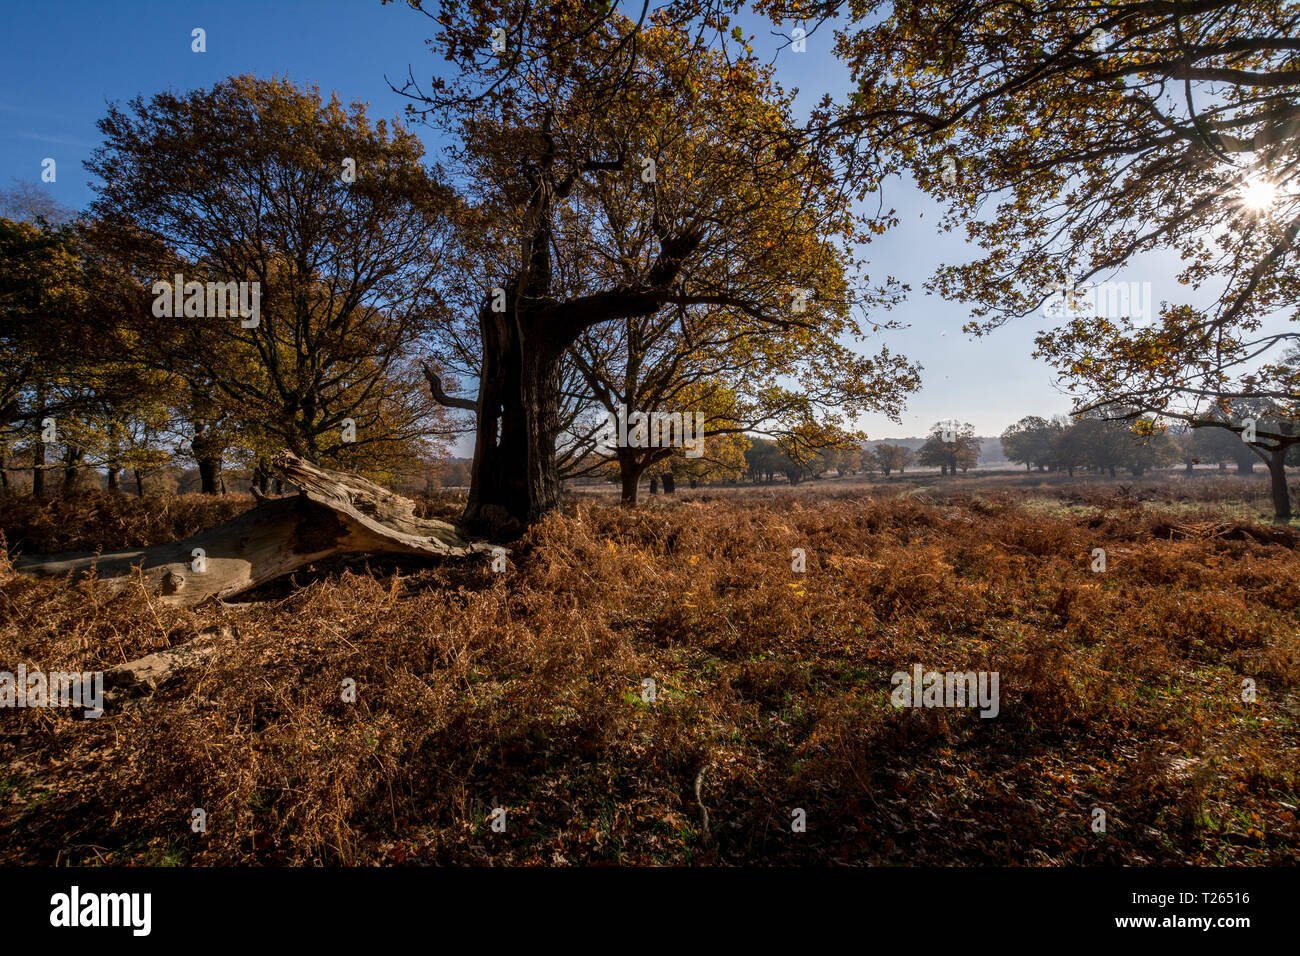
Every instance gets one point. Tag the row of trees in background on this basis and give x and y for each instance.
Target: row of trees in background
(1100, 441)
(1092, 443)
(1243, 433)
(950, 447)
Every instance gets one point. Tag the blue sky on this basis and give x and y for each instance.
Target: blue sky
(62, 61)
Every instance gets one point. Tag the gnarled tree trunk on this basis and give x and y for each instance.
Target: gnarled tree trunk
(498, 490)
(525, 332)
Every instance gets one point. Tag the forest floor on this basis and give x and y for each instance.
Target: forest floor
(1120, 691)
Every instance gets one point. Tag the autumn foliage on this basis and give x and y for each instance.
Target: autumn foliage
(1120, 690)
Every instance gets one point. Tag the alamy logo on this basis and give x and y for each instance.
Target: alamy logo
(75, 908)
(1106, 300)
(56, 689)
(655, 430)
(211, 300)
(946, 689)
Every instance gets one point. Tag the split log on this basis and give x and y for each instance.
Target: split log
(333, 513)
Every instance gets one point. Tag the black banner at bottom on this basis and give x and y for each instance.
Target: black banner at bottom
(143, 906)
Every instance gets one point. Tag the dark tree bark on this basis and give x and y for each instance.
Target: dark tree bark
(210, 476)
(540, 387)
(72, 459)
(38, 469)
(114, 468)
(654, 484)
(499, 486)
(38, 447)
(209, 451)
(1277, 481)
(515, 481)
(670, 483)
(629, 473)
(262, 475)
(139, 483)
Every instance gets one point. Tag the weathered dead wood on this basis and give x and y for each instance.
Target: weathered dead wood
(333, 513)
(146, 674)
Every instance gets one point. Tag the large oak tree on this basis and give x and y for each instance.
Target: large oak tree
(338, 221)
(622, 170)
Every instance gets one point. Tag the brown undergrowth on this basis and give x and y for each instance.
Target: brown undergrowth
(1119, 691)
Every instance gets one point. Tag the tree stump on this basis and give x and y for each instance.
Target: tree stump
(333, 513)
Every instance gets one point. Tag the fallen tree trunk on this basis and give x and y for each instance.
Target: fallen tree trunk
(333, 513)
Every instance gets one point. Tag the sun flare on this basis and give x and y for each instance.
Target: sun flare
(1258, 194)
